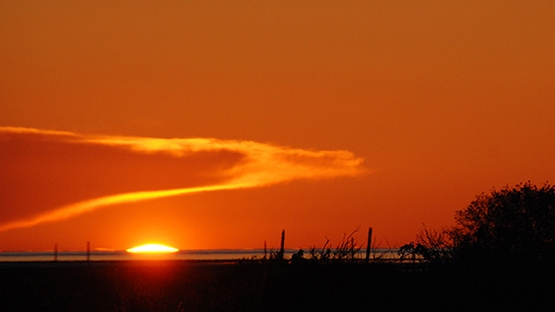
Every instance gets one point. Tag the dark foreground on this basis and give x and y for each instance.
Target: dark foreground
(269, 286)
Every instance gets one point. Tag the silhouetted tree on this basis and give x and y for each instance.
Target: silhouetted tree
(512, 224)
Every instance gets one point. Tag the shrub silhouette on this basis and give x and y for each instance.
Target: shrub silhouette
(512, 224)
(431, 246)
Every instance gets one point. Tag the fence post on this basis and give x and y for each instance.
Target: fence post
(352, 248)
(282, 249)
(369, 245)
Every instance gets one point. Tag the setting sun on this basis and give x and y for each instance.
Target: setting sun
(152, 248)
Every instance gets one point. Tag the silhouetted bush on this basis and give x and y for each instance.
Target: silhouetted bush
(512, 225)
(431, 246)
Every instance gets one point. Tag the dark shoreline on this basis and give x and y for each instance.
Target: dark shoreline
(246, 285)
(93, 263)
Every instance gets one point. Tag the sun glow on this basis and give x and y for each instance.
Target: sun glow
(152, 248)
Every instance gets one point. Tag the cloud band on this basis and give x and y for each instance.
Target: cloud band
(67, 174)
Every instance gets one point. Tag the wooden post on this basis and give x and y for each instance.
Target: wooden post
(352, 248)
(369, 245)
(56, 252)
(282, 249)
(88, 251)
(264, 250)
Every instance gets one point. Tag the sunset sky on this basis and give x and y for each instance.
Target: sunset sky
(216, 124)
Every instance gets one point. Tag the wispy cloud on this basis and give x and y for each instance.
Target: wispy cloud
(68, 174)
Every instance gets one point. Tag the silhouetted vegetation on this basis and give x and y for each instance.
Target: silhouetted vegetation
(515, 225)
(499, 256)
(347, 250)
(431, 246)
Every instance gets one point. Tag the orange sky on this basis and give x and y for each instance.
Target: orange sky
(442, 100)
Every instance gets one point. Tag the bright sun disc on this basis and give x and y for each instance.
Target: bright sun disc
(152, 248)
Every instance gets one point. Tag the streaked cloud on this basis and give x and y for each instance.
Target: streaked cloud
(53, 175)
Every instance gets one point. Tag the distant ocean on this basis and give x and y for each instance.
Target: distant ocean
(122, 255)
